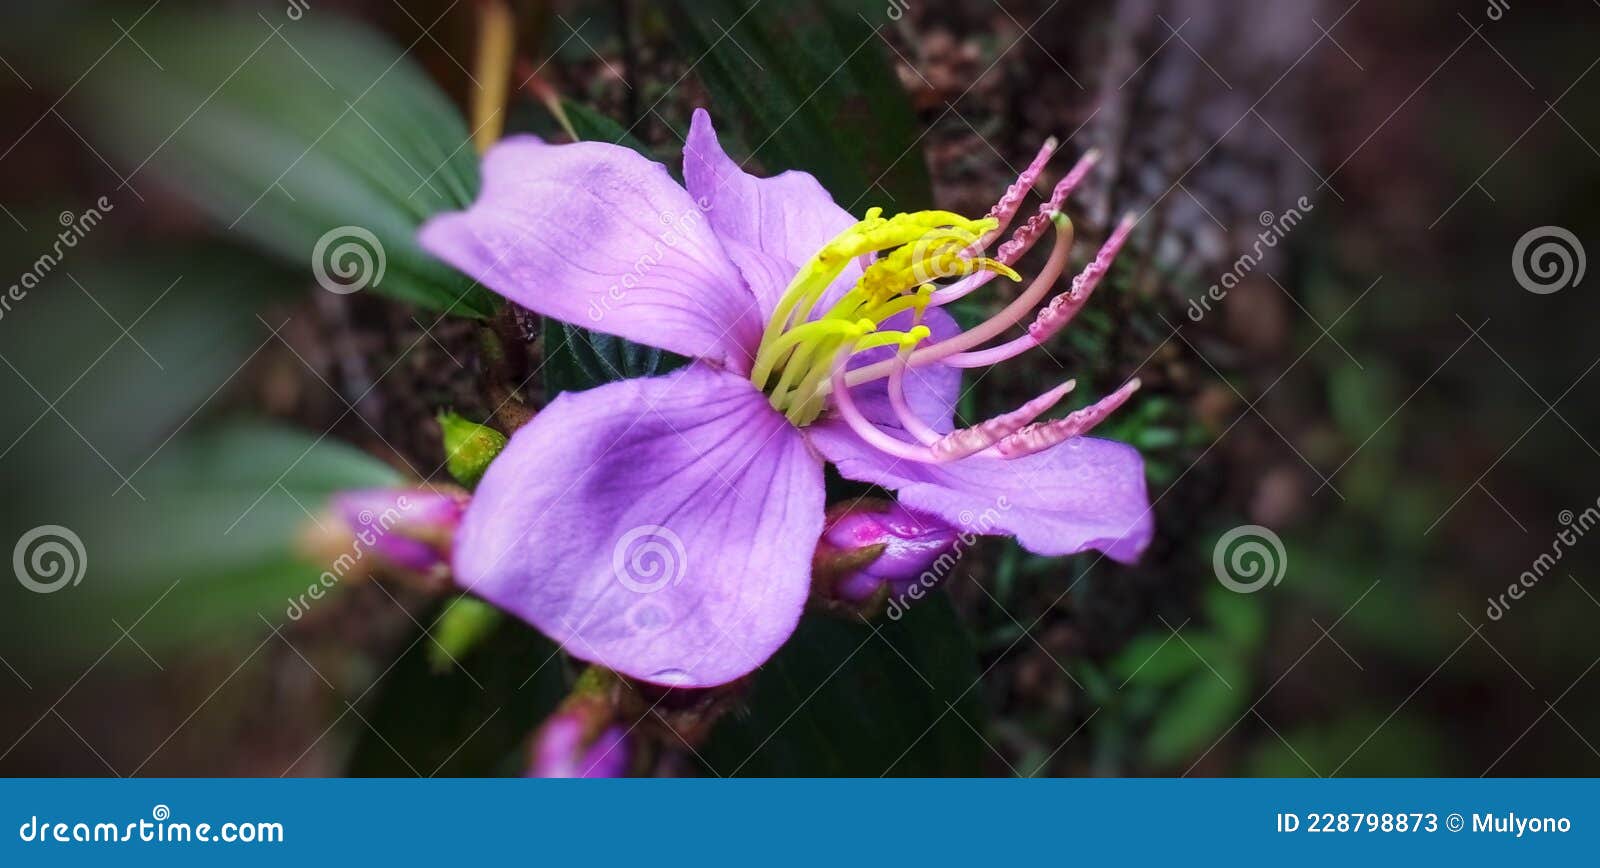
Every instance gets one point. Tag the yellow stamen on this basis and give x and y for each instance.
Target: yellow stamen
(915, 249)
(770, 354)
(894, 306)
(807, 405)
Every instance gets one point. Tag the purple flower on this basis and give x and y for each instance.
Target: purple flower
(900, 546)
(664, 527)
(560, 750)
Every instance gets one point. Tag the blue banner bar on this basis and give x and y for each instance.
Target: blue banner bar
(817, 822)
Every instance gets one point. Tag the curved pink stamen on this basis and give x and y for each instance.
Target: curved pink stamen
(902, 409)
(1033, 230)
(1005, 209)
(1043, 435)
(970, 441)
(868, 432)
(1060, 311)
(1026, 235)
(990, 329)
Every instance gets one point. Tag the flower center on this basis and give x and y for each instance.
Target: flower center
(801, 348)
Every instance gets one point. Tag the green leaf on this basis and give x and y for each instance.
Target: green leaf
(1196, 715)
(1240, 618)
(210, 552)
(578, 359)
(461, 629)
(295, 134)
(191, 315)
(1154, 660)
(838, 700)
(592, 126)
(468, 720)
(810, 85)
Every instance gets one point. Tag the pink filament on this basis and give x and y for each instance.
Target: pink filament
(902, 409)
(988, 330)
(1031, 231)
(1014, 434)
(1006, 208)
(846, 405)
(1060, 311)
(1027, 234)
(1041, 436)
(969, 441)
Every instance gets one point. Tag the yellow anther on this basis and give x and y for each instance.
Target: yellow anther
(872, 235)
(909, 265)
(916, 249)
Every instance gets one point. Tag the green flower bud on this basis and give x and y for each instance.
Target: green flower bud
(469, 447)
(463, 626)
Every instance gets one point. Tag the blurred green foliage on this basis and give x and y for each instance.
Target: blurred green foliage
(321, 134)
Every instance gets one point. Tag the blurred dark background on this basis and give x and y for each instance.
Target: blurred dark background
(1381, 389)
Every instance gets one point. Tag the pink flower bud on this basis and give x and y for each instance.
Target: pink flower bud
(873, 544)
(409, 529)
(560, 750)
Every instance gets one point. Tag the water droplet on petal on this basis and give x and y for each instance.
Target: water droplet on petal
(670, 677)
